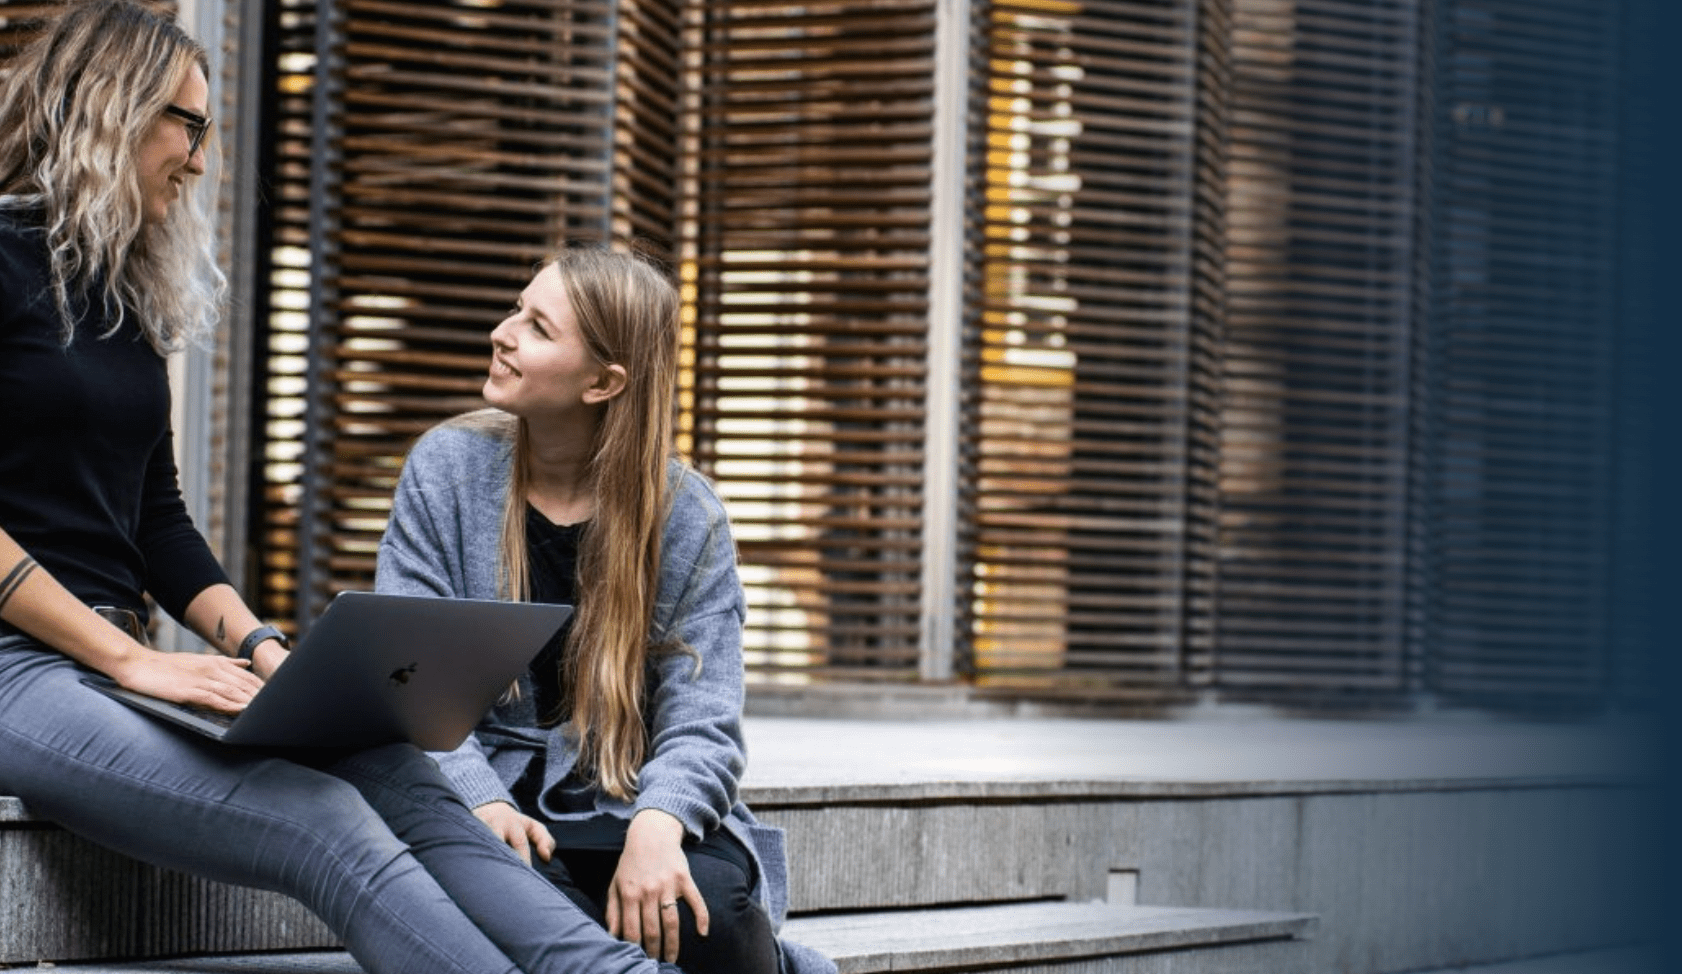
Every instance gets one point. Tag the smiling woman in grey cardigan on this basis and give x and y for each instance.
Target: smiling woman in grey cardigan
(613, 764)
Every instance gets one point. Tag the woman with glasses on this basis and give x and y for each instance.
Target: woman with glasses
(106, 265)
(614, 761)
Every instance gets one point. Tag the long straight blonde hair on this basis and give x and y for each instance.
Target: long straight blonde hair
(77, 103)
(628, 315)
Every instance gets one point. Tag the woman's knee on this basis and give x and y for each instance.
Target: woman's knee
(317, 826)
(394, 777)
(739, 936)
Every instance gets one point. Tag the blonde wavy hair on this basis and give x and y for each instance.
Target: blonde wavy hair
(628, 314)
(76, 105)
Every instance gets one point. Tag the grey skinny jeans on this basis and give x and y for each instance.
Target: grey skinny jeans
(377, 844)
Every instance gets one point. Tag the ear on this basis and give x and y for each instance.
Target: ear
(610, 382)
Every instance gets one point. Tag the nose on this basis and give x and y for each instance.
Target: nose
(502, 336)
(195, 162)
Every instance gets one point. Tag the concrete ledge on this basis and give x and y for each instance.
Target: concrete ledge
(290, 962)
(65, 898)
(1084, 937)
(954, 792)
(796, 761)
(1010, 937)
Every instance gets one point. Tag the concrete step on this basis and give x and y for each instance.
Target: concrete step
(1096, 937)
(1419, 847)
(1075, 938)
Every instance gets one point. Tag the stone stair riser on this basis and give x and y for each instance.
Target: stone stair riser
(1403, 880)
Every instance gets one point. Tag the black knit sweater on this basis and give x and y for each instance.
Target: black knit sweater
(88, 482)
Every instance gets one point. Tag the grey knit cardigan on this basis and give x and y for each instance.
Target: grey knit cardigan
(442, 540)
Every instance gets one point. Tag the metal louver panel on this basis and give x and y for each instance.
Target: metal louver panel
(1319, 289)
(1092, 425)
(456, 145)
(1517, 422)
(808, 247)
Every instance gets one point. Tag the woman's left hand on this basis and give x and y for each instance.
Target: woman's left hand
(653, 876)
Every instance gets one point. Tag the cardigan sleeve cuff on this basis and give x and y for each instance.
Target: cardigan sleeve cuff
(698, 817)
(473, 780)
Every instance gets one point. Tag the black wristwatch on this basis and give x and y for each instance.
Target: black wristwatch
(259, 634)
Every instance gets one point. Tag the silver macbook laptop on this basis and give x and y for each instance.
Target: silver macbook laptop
(379, 669)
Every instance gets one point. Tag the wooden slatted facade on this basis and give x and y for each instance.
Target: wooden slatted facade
(808, 251)
(283, 357)
(1314, 423)
(1092, 416)
(1517, 431)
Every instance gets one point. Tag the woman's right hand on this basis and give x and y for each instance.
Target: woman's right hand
(523, 833)
(208, 680)
(40, 606)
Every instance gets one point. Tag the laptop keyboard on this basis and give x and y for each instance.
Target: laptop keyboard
(216, 717)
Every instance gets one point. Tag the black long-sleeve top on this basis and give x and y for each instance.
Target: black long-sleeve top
(88, 483)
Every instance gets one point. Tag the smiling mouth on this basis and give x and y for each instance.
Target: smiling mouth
(500, 368)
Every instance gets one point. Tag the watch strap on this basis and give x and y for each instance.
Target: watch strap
(249, 644)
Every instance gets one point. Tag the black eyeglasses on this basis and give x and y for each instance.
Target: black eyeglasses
(198, 126)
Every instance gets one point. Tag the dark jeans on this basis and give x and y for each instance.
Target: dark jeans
(739, 939)
(377, 844)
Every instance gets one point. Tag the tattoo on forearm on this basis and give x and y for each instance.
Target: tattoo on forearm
(14, 579)
(221, 631)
